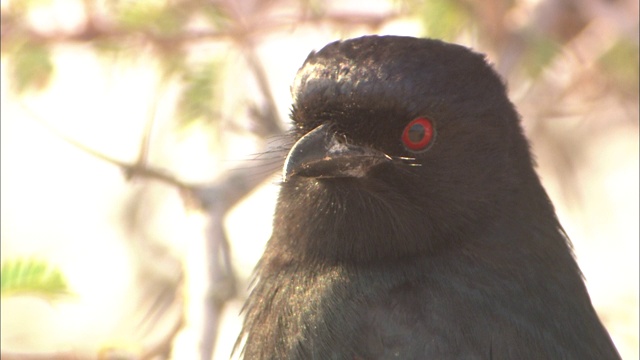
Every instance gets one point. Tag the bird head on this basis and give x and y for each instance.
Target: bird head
(401, 146)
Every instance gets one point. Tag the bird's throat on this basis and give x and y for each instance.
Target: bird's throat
(345, 221)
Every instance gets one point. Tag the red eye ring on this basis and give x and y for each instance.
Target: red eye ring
(417, 135)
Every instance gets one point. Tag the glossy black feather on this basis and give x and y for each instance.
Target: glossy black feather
(458, 257)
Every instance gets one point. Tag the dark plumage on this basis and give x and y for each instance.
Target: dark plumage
(411, 223)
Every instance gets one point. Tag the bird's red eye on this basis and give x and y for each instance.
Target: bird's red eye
(417, 135)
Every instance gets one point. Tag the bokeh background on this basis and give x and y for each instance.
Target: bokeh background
(137, 182)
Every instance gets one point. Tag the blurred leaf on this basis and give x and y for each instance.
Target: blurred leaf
(444, 19)
(313, 8)
(107, 47)
(541, 50)
(30, 67)
(196, 102)
(172, 62)
(32, 277)
(620, 64)
(151, 15)
(214, 13)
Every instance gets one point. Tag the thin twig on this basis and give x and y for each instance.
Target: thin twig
(132, 170)
(145, 143)
(270, 125)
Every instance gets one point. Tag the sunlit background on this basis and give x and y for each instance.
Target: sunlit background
(131, 134)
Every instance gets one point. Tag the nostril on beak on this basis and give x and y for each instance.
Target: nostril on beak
(340, 138)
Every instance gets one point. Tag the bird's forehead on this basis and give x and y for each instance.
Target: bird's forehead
(350, 88)
(341, 76)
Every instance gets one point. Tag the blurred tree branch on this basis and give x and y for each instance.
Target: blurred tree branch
(215, 198)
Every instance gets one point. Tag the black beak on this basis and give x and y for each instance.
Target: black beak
(323, 154)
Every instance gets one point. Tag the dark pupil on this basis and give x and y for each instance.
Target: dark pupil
(416, 133)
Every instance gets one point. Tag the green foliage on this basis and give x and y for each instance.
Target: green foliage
(149, 15)
(215, 15)
(313, 8)
(196, 102)
(30, 67)
(444, 19)
(620, 63)
(541, 50)
(32, 277)
(110, 49)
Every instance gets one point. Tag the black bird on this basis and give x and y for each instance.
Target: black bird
(411, 223)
